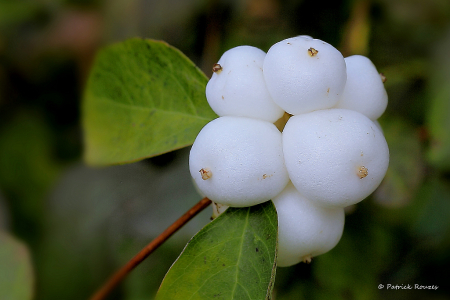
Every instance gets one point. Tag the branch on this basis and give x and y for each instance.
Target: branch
(116, 278)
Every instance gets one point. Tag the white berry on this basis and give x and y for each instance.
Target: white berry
(304, 74)
(334, 157)
(305, 230)
(364, 91)
(238, 161)
(237, 86)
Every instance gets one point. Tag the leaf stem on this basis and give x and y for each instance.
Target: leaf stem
(117, 277)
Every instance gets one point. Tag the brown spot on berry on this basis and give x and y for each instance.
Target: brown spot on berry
(383, 78)
(362, 172)
(217, 68)
(312, 52)
(206, 173)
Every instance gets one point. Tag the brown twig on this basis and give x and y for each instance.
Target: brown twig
(116, 278)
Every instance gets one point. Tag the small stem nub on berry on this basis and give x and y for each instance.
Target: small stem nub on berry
(307, 259)
(383, 78)
(206, 173)
(312, 52)
(217, 68)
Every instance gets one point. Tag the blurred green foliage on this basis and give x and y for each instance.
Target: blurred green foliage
(80, 224)
(16, 277)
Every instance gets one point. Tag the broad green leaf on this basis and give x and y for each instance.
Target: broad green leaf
(143, 98)
(16, 274)
(233, 257)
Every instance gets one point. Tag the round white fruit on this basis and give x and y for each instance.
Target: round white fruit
(237, 86)
(378, 126)
(334, 157)
(304, 74)
(364, 91)
(305, 230)
(238, 161)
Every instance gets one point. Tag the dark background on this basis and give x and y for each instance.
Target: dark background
(81, 223)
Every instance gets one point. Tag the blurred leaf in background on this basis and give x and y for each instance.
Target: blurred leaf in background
(438, 115)
(97, 219)
(406, 167)
(13, 13)
(27, 170)
(16, 272)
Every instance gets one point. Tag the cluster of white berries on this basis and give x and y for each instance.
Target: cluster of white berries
(330, 154)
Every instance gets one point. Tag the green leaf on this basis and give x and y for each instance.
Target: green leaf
(143, 98)
(16, 274)
(233, 257)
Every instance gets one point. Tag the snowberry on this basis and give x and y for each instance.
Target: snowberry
(305, 230)
(237, 86)
(238, 161)
(304, 74)
(364, 91)
(378, 126)
(334, 157)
